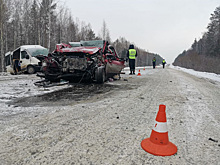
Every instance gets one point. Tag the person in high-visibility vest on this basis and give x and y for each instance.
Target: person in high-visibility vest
(163, 62)
(131, 55)
(154, 62)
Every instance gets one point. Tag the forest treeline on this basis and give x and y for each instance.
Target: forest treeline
(47, 23)
(204, 54)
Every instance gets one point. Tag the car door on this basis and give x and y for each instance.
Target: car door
(9, 62)
(114, 66)
(25, 59)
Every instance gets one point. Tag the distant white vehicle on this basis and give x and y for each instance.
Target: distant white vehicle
(30, 58)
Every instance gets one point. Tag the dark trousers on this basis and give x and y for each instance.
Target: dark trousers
(132, 65)
(163, 65)
(17, 67)
(154, 64)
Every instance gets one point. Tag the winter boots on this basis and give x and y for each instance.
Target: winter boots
(132, 72)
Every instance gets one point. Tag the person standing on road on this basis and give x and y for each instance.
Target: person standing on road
(154, 62)
(163, 62)
(131, 55)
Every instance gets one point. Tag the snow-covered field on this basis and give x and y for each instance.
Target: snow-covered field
(107, 128)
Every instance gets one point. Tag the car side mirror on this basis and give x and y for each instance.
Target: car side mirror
(20, 61)
(27, 57)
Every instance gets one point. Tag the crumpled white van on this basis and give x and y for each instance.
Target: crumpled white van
(30, 58)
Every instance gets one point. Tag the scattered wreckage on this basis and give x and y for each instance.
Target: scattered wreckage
(94, 60)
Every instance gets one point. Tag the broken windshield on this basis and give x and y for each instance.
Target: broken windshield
(38, 51)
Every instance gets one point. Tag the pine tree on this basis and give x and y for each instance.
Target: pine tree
(213, 34)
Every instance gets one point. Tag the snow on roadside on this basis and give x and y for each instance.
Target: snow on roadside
(143, 70)
(212, 76)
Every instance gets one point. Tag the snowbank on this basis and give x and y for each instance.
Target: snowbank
(212, 76)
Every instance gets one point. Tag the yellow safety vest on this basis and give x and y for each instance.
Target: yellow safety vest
(163, 61)
(132, 53)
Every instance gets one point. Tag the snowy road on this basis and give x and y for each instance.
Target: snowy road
(108, 127)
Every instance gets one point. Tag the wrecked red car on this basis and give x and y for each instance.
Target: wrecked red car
(94, 60)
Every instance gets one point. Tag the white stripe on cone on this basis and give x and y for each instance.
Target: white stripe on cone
(160, 127)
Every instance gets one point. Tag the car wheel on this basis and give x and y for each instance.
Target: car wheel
(30, 69)
(100, 75)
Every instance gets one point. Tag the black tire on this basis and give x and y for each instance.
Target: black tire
(30, 69)
(100, 75)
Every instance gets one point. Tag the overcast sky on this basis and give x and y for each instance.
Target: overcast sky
(165, 27)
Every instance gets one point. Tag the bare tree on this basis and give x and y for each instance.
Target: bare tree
(47, 8)
(34, 21)
(86, 32)
(104, 33)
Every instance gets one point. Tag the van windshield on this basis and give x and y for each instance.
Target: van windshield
(38, 51)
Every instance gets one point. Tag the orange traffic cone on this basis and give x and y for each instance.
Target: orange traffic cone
(158, 143)
(139, 73)
(144, 68)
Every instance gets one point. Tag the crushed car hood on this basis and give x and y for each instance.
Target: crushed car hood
(87, 50)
